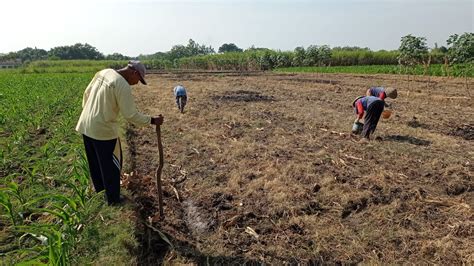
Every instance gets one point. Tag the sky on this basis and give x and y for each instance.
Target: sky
(133, 27)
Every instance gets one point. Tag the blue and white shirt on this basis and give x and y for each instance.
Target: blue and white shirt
(179, 91)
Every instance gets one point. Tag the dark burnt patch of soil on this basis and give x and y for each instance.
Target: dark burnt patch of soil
(416, 123)
(309, 80)
(464, 131)
(408, 139)
(243, 96)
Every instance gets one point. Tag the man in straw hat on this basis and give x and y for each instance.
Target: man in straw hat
(382, 93)
(108, 94)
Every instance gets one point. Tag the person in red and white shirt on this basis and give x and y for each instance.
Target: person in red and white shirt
(372, 107)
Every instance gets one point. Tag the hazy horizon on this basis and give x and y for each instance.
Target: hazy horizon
(133, 27)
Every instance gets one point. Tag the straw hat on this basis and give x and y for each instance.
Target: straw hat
(391, 92)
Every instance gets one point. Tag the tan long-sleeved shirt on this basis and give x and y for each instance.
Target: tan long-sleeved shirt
(107, 95)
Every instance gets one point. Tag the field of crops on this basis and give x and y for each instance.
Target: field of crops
(48, 213)
(268, 173)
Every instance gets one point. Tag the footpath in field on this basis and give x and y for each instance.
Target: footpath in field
(263, 168)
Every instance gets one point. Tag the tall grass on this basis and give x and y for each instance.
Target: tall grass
(269, 59)
(433, 70)
(360, 61)
(355, 58)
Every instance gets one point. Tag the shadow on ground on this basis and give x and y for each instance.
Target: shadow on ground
(154, 250)
(408, 139)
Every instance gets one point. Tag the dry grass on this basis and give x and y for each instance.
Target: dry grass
(273, 153)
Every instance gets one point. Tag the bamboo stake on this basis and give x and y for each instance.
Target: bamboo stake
(158, 170)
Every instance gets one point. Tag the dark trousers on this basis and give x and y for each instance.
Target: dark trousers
(184, 99)
(104, 167)
(372, 116)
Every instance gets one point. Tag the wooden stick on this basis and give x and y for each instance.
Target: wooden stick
(158, 171)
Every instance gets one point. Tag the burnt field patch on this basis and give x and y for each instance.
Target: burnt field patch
(465, 131)
(243, 96)
(408, 139)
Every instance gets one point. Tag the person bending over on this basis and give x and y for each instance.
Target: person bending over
(382, 93)
(181, 97)
(372, 107)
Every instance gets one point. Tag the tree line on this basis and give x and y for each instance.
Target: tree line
(71, 52)
(80, 51)
(413, 51)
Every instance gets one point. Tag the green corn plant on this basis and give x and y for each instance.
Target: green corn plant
(32, 255)
(14, 190)
(54, 197)
(80, 191)
(54, 246)
(61, 233)
(45, 211)
(6, 203)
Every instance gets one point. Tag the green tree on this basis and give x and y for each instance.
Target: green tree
(155, 56)
(350, 48)
(413, 50)
(299, 56)
(461, 51)
(311, 57)
(318, 55)
(256, 49)
(192, 49)
(179, 51)
(283, 59)
(461, 48)
(26, 55)
(325, 54)
(117, 56)
(30, 54)
(229, 47)
(266, 60)
(76, 51)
